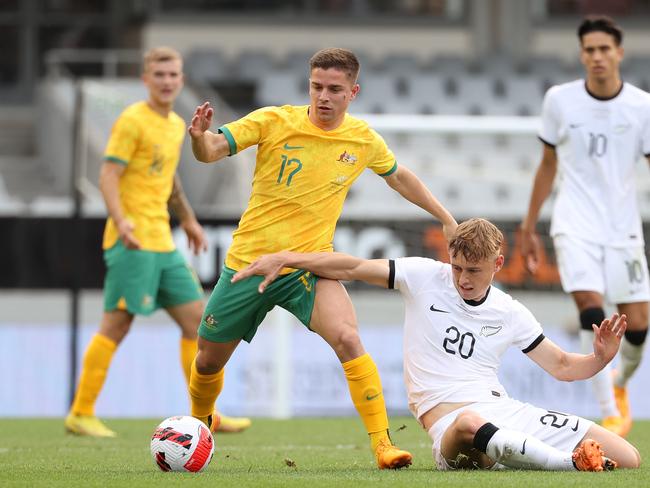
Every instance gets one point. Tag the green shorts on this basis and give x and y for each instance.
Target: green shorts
(235, 310)
(141, 282)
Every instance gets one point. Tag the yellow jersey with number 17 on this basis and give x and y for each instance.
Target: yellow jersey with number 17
(149, 145)
(302, 176)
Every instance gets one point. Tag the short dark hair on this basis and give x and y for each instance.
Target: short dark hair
(336, 57)
(601, 23)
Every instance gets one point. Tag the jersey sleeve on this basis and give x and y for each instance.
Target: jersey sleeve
(528, 331)
(123, 141)
(249, 130)
(411, 274)
(645, 135)
(549, 132)
(381, 158)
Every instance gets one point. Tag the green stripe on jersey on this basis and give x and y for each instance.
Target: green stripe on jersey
(390, 171)
(231, 140)
(114, 159)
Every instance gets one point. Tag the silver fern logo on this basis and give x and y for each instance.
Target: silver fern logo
(490, 330)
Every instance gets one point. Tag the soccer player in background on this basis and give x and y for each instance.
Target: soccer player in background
(594, 131)
(457, 327)
(307, 158)
(144, 270)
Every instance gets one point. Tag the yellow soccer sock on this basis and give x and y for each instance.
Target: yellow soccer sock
(204, 390)
(365, 390)
(97, 359)
(188, 353)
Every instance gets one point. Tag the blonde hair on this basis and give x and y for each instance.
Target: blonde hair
(477, 240)
(158, 55)
(336, 57)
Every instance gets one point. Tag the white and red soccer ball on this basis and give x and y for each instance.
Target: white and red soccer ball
(182, 444)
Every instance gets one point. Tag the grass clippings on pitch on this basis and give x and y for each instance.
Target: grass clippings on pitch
(330, 452)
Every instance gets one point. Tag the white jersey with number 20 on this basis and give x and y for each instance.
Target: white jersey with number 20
(452, 350)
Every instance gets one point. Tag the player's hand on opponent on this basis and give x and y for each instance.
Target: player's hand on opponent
(448, 229)
(530, 249)
(125, 229)
(196, 239)
(201, 120)
(268, 266)
(607, 337)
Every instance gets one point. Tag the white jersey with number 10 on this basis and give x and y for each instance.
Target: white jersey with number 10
(598, 143)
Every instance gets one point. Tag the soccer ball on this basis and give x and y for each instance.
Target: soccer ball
(182, 444)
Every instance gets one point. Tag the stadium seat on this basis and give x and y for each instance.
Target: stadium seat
(399, 65)
(448, 65)
(281, 88)
(430, 94)
(524, 94)
(206, 66)
(253, 65)
(375, 90)
(496, 65)
(477, 94)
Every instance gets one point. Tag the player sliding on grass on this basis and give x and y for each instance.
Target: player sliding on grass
(307, 158)
(456, 329)
(144, 270)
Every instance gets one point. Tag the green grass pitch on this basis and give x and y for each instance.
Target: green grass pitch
(330, 452)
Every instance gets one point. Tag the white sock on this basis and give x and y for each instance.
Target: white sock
(629, 360)
(602, 382)
(520, 451)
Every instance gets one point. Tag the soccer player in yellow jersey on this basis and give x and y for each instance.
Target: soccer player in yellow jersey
(144, 270)
(307, 158)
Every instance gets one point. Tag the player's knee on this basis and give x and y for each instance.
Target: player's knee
(347, 341)
(636, 337)
(637, 456)
(115, 325)
(466, 425)
(591, 315)
(206, 363)
(630, 458)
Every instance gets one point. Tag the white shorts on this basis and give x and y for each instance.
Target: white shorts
(620, 274)
(560, 430)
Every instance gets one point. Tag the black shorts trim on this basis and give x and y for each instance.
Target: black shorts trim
(546, 143)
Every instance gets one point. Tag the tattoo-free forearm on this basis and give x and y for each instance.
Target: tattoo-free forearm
(210, 147)
(109, 185)
(332, 265)
(579, 366)
(542, 187)
(407, 184)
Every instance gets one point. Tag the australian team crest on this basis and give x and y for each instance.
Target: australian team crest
(347, 158)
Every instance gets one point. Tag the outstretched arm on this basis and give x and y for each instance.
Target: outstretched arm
(567, 366)
(207, 146)
(181, 208)
(407, 184)
(331, 265)
(530, 245)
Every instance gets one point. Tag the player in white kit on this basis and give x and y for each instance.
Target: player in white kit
(457, 327)
(594, 131)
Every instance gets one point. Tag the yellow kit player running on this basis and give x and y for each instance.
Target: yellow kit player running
(307, 158)
(144, 270)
